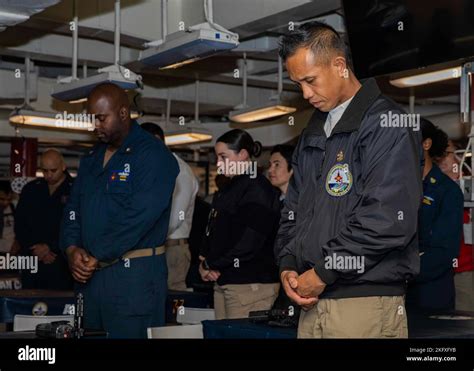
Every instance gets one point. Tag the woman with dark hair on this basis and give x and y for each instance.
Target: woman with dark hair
(280, 171)
(238, 250)
(440, 227)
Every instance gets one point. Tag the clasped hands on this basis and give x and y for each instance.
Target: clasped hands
(303, 289)
(207, 275)
(81, 263)
(43, 252)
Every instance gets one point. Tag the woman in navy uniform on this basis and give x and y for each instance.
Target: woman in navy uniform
(440, 227)
(238, 251)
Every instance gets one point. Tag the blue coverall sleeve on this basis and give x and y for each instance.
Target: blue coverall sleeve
(71, 222)
(445, 242)
(153, 179)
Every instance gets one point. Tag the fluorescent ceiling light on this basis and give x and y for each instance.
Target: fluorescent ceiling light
(53, 120)
(187, 136)
(259, 113)
(184, 47)
(274, 108)
(80, 100)
(78, 90)
(427, 78)
(134, 115)
(180, 64)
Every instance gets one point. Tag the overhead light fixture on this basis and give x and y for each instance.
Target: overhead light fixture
(261, 113)
(29, 117)
(80, 100)
(74, 90)
(77, 91)
(179, 64)
(135, 114)
(25, 115)
(184, 47)
(275, 108)
(427, 78)
(189, 135)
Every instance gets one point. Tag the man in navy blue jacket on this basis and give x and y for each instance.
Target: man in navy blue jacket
(116, 221)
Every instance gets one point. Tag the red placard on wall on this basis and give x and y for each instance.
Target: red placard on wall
(23, 157)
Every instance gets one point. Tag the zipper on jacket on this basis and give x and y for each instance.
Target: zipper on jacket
(321, 167)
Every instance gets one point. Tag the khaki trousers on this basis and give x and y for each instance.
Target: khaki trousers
(464, 283)
(366, 317)
(236, 301)
(178, 259)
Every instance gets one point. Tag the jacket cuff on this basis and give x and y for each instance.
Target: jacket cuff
(69, 242)
(329, 276)
(288, 263)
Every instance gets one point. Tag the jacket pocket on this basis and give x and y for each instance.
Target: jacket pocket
(119, 188)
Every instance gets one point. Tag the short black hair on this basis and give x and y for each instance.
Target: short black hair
(153, 129)
(238, 139)
(5, 186)
(438, 138)
(286, 151)
(321, 38)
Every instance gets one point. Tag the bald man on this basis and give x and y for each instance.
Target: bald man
(37, 224)
(116, 221)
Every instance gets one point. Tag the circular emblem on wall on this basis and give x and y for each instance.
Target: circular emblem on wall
(17, 184)
(339, 180)
(40, 309)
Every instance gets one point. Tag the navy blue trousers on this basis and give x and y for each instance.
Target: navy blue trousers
(126, 298)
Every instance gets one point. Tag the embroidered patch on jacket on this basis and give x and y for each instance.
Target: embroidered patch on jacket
(339, 180)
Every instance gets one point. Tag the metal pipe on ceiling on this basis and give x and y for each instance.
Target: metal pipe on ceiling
(117, 32)
(164, 19)
(75, 40)
(27, 81)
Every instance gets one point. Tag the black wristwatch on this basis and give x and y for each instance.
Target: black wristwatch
(205, 266)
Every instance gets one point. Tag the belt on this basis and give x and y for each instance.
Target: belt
(132, 254)
(176, 242)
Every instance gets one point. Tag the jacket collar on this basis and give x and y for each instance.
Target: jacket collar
(125, 147)
(97, 153)
(353, 115)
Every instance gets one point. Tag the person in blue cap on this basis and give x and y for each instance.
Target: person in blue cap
(440, 228)
(116, 221)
